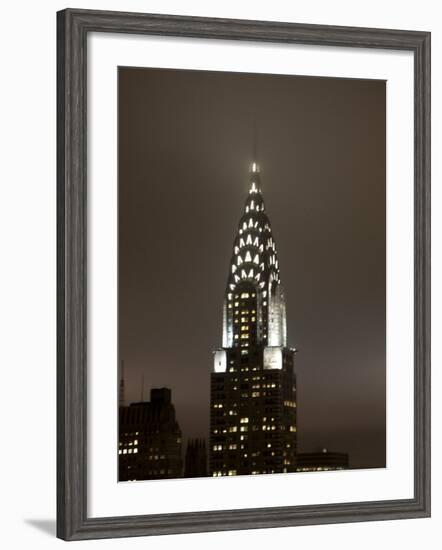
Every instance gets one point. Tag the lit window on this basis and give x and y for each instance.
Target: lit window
(244, 420)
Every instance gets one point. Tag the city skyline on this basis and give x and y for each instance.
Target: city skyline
(176, 200)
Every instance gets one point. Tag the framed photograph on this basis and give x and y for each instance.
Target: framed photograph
(243, 274)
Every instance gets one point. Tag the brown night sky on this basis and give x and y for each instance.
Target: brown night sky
(185, 145)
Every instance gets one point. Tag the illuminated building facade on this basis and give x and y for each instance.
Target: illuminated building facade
(253, 387)
(150, 439)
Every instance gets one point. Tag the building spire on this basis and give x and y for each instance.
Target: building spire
(142, 388)
(121, 394)
(254, 168)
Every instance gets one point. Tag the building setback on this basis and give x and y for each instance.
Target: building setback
(150, 439)
(253, 387)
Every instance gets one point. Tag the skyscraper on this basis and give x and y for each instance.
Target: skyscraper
(253, 387)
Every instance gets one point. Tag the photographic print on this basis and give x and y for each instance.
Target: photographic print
(251, 274)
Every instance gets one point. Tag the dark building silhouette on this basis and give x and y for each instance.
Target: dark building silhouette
(253, 393)
(150, 439)
(321, 461)
(195, 464)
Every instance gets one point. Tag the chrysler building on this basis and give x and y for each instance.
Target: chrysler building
(253, 386)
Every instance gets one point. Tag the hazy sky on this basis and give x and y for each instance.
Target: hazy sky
(185, 145)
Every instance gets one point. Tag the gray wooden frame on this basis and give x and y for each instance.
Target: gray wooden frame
(73, 27)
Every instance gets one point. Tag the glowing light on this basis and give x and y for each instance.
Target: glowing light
(220, 362)
(273, 358)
